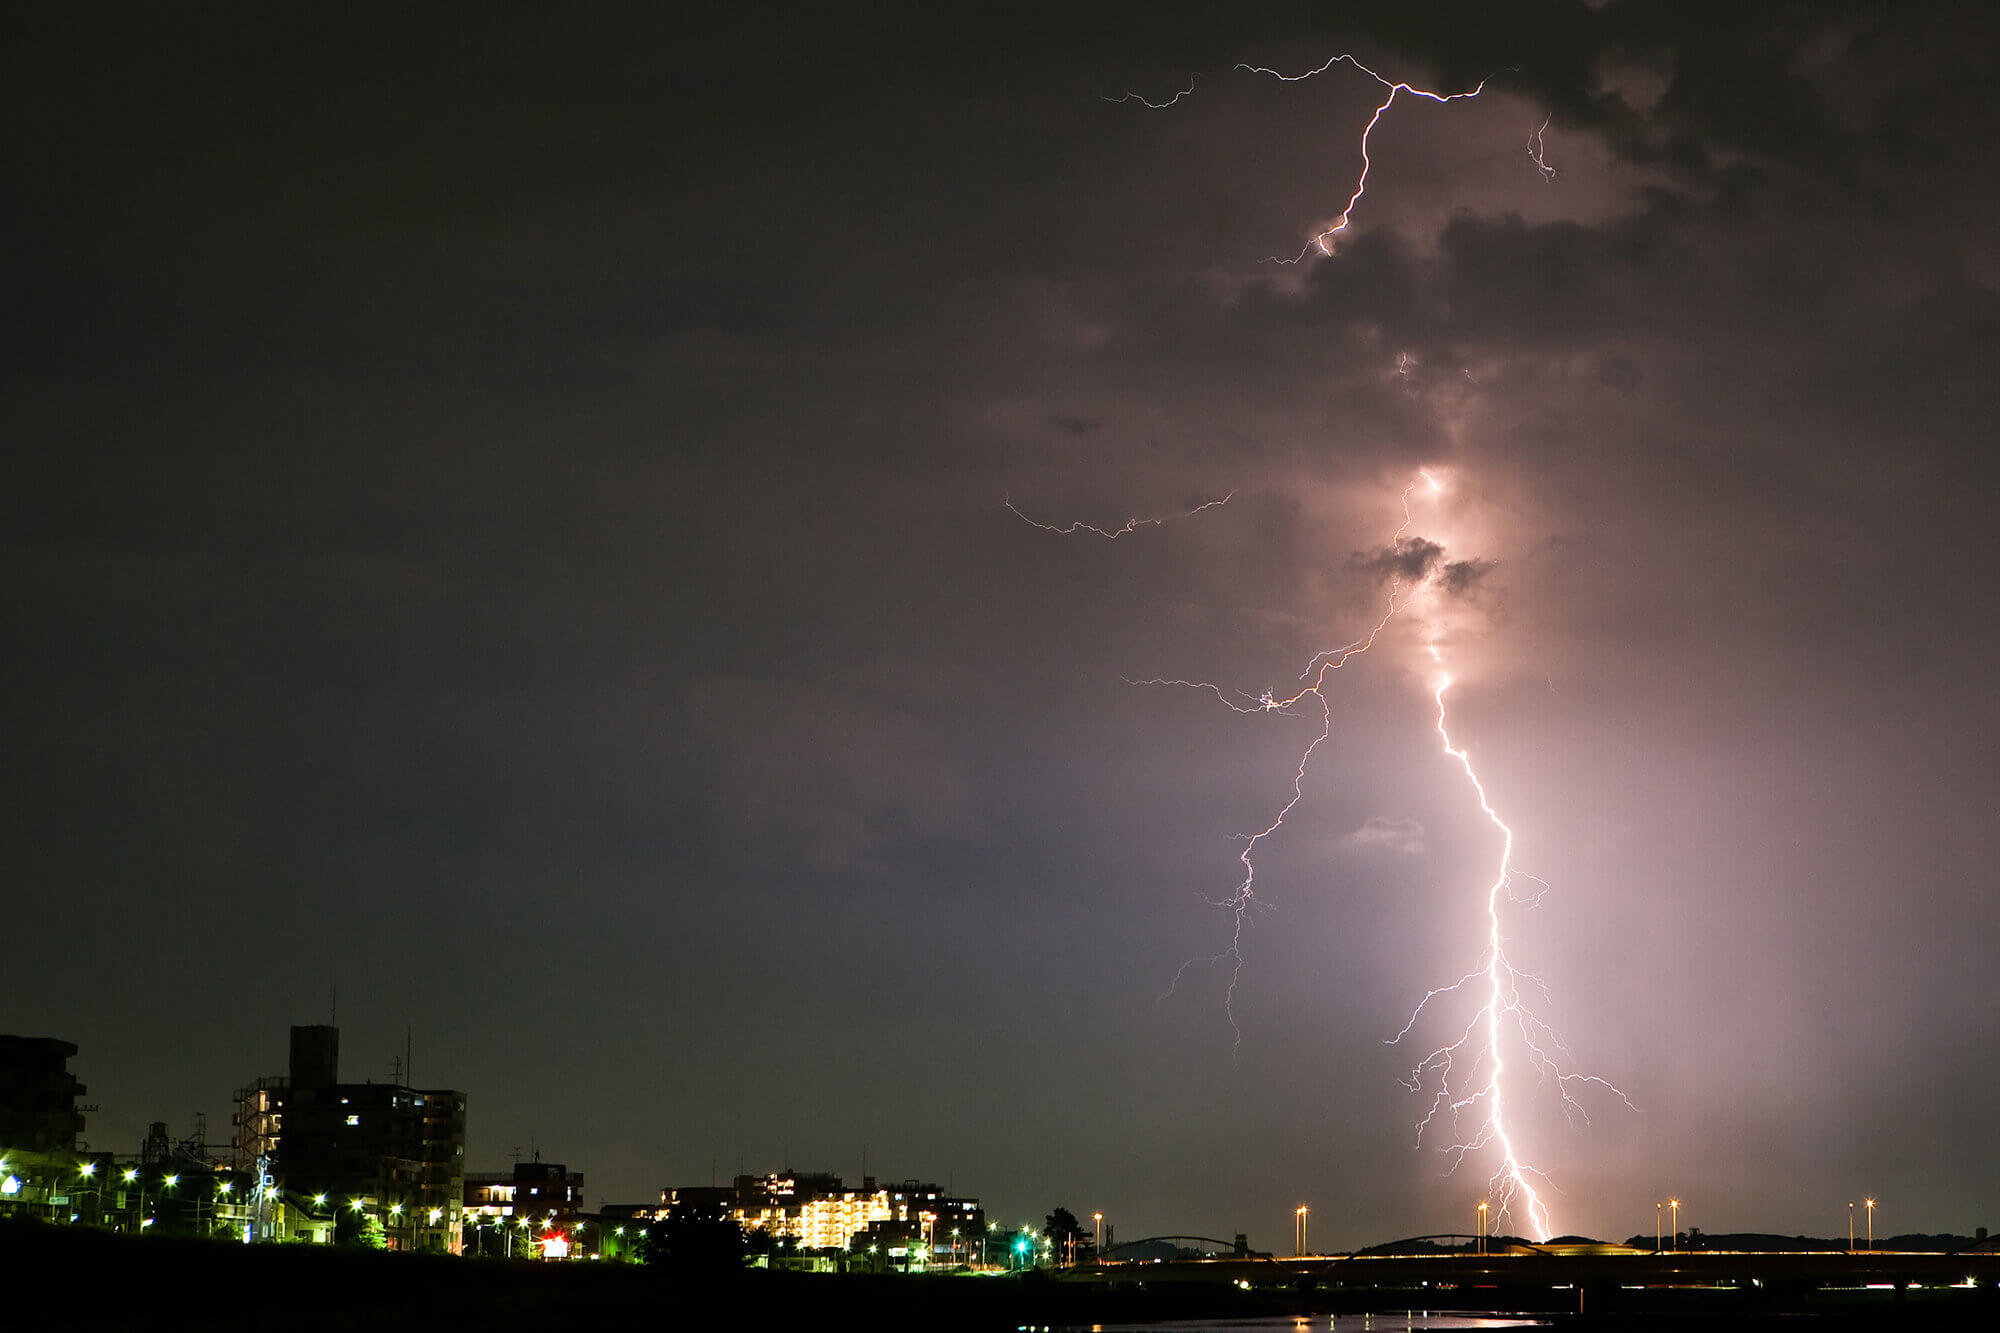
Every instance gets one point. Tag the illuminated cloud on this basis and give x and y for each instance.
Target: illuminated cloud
(1393, 835)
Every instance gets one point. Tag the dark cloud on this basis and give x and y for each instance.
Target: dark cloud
(1409, 560)
(1458, 576)
(510, 505)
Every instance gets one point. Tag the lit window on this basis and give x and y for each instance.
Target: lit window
(354, 1120)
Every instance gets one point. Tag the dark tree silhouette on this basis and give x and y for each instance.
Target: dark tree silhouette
(1069, 1243)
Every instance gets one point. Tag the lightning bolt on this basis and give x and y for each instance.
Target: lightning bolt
(1324, 241)
(1535, 152)
(1130, 526)
(1243, 900)
(1144, 101)
(1468, 1076)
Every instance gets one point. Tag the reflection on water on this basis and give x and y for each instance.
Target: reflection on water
(1399, 1321)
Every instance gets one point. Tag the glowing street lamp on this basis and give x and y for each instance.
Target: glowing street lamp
(1482, 1226)
(1675, 1206)
(1850, 1226)
(1657, 1225)
(1870, 1203)
(1097, 1218)
(1299, 1246)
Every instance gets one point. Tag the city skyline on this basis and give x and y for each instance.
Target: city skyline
(587, 537)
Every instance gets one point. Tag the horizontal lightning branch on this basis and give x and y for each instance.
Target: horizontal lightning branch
(1148, 102)
(1111, 534)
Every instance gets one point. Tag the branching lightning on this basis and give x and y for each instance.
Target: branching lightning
(1131, 525)
(1243, 899)
(1466, 1077)
(1324, 241)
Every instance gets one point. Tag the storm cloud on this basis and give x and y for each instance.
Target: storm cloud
(505, 519)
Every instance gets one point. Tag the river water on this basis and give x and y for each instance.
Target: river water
(1400, 1321)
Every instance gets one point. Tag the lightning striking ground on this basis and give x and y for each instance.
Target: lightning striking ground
(1473, 1100)
(1466, 1077)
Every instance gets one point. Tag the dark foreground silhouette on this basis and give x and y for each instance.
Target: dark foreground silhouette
(97, 1279)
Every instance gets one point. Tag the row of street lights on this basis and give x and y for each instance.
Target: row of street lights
(1661, 1209)
(1869, 1203)
(1674, 1206)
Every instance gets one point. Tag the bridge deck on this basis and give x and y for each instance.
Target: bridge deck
(1556, 1269)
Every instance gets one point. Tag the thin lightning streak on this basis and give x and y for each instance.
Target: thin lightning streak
(1243, 900)
(1110, 534)
(1535, 149)
(1142, 100)
(1324, 241)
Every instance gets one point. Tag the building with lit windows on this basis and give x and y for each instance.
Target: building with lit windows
(830, 1221)
(394, 1152)
(820, 1212)
(546, 1196)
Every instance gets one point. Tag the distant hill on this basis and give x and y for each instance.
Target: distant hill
(1766, 1242)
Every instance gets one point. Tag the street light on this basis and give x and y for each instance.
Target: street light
(1656, 1225)
(1482, 1226)
(1300, 1246)
(1675, 1206)
(1097, 1218)
(1850, 1226)
(132, 1178)
(1870, 1202)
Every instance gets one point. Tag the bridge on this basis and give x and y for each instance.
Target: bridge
(1578, 1277)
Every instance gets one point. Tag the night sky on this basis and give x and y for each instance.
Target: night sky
(506, 517)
